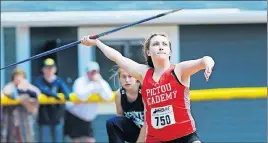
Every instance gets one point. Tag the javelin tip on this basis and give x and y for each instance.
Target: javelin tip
(175, 10)
(169, 12)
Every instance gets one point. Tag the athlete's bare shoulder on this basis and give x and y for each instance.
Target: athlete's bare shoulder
(117, 93)
(143, 70)
(178, 68)
(179, 64)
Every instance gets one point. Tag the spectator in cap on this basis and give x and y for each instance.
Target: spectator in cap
(50, 116)
(79, 117)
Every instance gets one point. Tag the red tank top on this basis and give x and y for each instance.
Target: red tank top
(167, 106)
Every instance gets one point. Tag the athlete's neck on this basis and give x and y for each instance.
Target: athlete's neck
(161, 66)
(133, 91)
(132, 94)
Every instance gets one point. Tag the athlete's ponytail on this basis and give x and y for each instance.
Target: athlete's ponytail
(115, 72)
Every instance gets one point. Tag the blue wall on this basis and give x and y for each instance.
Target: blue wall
(239, 51)
(231, 121)
(9, 37)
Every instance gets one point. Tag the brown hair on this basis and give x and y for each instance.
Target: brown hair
(116, 72)
(146, 46)
(17, 71)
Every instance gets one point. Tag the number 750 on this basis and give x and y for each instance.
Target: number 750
(164, 120)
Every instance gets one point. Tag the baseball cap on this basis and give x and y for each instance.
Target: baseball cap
(49, 63)
(92, 66)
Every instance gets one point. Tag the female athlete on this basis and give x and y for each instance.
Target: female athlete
(165, 88)
(127, 124)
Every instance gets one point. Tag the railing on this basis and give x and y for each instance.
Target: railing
(195, 95)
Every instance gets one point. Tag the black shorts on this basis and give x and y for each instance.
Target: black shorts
(186, 139)
(75, 127)
(121, 129)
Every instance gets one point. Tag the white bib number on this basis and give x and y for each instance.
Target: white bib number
(162, 116)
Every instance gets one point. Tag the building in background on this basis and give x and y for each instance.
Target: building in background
(236, 38)
(231, 36)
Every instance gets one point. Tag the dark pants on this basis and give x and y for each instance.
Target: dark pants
(50, 133)
(121, 129)
(75, 127)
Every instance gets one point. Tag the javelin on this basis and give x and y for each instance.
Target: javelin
(91, 37)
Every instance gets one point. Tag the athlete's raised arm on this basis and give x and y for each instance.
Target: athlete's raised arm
(133, 68)
(190, 67)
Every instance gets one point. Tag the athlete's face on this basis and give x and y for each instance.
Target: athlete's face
(159, 48)
(126, 80)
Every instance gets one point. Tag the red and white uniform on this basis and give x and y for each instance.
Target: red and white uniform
(167, 107)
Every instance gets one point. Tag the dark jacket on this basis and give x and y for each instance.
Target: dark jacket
(51, 114)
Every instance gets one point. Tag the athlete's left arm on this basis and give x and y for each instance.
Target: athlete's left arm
(142, 135)
(141, 138)
(190, 67)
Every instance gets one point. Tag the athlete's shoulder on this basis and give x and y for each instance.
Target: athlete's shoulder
(147, 71)
(178, 65)
(144, 69)
(122, 91)
(117, 92)
(177, 68)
